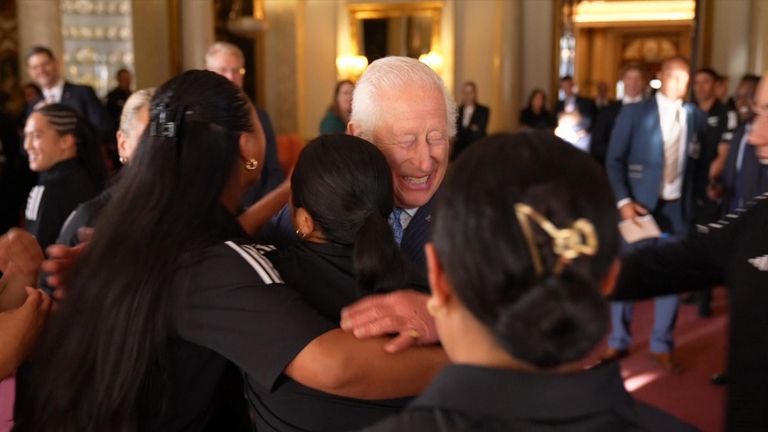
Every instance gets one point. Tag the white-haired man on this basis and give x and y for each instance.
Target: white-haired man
(403, 107)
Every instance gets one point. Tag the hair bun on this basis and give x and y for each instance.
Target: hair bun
(556, 321)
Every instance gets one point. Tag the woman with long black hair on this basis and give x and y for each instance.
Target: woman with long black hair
(168, 295)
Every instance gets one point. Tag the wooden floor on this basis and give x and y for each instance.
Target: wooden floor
(700, 348)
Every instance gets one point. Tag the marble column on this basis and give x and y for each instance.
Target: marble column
(39, 24)
(197, 30)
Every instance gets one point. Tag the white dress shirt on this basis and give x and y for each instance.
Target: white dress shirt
(466, 116)
(53, 94)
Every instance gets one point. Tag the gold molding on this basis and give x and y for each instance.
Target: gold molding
(361, 11)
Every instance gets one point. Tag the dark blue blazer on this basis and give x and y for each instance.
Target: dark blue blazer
(415, 236)
(84, 100)
(635, 159)
(754, 175)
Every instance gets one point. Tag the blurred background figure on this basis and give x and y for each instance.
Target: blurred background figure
(535, 115)
(117, 97)
(633, 78)
(472, 122)
(572, 102)
(337, 116)
(602, 99)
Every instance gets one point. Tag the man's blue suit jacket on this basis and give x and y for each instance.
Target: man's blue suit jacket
(635, 159)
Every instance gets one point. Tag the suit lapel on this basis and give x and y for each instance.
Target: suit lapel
(657, 138)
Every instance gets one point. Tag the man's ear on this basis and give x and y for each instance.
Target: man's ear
(442, 291)
(303, 221)
(351, 129)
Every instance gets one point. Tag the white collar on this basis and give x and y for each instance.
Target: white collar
(667, 102)
(56, 92)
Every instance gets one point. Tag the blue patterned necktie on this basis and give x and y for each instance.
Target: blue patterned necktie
(396, 224)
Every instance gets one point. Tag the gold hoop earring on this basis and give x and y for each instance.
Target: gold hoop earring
(251, 164)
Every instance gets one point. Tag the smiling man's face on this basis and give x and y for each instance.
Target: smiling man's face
(413, 135)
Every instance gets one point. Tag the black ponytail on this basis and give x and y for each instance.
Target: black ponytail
(378, 261)
(345, 184)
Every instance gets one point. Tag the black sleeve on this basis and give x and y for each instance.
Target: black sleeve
(55, 208)
(232, 301)
(698, 261)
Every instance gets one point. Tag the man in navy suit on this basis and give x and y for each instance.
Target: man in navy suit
(651, 164)
(43, 68)
(743, 176)
(403, 107)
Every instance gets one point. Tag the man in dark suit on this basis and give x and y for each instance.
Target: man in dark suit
(43, 68)
(651, 164)
(411, 120)
(572, 102)
(472, 121)
(633, 78)
(741, 176)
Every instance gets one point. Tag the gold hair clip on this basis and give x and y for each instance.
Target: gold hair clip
(567, 243)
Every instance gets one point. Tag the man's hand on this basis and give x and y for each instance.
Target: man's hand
(631, 211)
(20, 328)
(401, 312)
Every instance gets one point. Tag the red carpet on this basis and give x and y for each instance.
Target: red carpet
(700, 348)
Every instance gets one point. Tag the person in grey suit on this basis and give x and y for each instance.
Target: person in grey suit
(651, 164)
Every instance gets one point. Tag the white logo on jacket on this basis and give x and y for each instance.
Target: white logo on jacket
(760, 263)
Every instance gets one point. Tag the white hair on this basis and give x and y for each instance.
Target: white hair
(391, 74)
(223, 47)
(135, 102)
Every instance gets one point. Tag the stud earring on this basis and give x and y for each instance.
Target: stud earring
(251, 164)
(300, 233)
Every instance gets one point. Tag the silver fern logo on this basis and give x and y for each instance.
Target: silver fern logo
(760, 263)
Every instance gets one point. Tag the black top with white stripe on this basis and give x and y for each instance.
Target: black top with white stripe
(230, 308)
(324, 276)
(58, 192)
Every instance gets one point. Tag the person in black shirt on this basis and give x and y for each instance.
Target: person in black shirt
(535, 114)
(168, 297)
(63, 150)
(341, 196)
(117, 98)
(523, 235)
